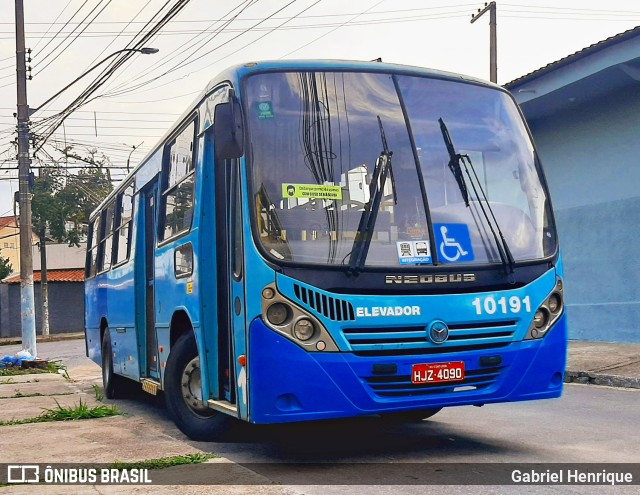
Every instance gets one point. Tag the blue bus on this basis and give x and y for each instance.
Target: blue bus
(330, 239)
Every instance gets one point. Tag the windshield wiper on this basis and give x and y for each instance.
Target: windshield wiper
(371, 208)
(455, 161)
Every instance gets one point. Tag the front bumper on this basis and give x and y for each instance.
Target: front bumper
(287, 383)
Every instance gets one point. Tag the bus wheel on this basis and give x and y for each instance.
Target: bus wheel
(183, 393)
(411, 416)
(114, 385)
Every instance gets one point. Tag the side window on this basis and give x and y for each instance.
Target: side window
(236, 205)
(179, 181)
(123, 229)
(92, 253)
(106, 240)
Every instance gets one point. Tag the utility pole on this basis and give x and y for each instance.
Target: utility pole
(44, 285)
(493, 43)
(27, 306)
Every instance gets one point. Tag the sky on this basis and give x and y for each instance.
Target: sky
(145, 96)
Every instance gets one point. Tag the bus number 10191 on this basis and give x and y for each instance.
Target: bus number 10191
(490, 305)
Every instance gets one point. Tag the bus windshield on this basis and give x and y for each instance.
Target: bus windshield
(327, 147)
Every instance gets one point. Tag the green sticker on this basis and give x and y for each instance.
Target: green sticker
(265, 110)
(315, 191)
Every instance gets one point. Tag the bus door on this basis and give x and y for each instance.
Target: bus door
(149, 216)
(232, 378)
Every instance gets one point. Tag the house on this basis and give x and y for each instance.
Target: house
(584, 114)
(10, 241)
(65, 280)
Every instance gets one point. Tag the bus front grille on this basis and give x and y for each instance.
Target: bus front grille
(404, 341)
(401, 386)
(330, 307)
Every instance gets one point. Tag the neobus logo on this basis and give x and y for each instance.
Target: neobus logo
(444, 278)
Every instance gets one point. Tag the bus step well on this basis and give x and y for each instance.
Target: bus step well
(150, 386)
(223, 406)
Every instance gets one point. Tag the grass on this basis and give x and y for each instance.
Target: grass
(98, 391)
(64, 413)
(165, 462)
(55, 367)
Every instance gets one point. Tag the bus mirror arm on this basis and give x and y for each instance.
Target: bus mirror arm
(228, 130)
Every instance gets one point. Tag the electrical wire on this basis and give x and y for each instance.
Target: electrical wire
(68, 35)
(90, 64)
(332, 30)
(190, 44)
(35, 47)
(71, 42)
(56, 120)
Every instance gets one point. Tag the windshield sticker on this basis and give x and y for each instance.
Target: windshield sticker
(454, 242)
(315, 191)
(265, 110)
(413, 252)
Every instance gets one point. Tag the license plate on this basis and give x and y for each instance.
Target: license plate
(437, 372)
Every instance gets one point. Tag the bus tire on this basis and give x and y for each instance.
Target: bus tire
(183, 395)
(411, 416)
(115, 386)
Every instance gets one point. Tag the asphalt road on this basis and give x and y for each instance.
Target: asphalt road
(589, 424)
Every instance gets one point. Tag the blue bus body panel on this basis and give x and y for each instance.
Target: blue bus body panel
(288, 383)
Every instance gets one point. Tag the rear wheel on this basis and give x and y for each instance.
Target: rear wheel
(183, 393)
(115, 386)
(411, 416)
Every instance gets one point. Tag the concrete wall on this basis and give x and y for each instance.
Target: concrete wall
(61, 256)
(591, 155)
(66, 308)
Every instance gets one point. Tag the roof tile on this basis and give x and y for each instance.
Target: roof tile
(73, 275)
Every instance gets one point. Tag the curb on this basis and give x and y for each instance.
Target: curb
(590, 378)
(39, 338)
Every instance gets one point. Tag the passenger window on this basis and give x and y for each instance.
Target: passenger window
(236, 205)
(123, 231)
(179, 180)
(92, 255)
(106, 241)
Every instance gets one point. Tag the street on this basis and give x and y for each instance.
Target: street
(589, 424)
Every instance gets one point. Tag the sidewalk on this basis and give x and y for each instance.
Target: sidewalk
(56, 337)
(603, 363)
(127, 437)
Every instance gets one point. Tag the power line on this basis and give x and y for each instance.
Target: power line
(84, 97)
(90, 64)
(72, 41)
(190, 44)
(45, 56)
(51, 25)
(332, 30)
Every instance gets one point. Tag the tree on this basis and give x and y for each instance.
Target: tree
(5, 267)
(62, 202)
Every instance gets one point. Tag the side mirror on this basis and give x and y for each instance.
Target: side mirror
(228, 131)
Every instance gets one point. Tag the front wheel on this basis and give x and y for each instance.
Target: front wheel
(183, 393)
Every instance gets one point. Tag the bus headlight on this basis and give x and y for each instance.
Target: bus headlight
(277, 313)
(547, 314)
(541, 318)
(554, 302)
(297, 324)
(303, 329)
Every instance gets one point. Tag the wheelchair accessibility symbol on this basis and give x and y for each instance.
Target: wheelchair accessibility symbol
(454, 242)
